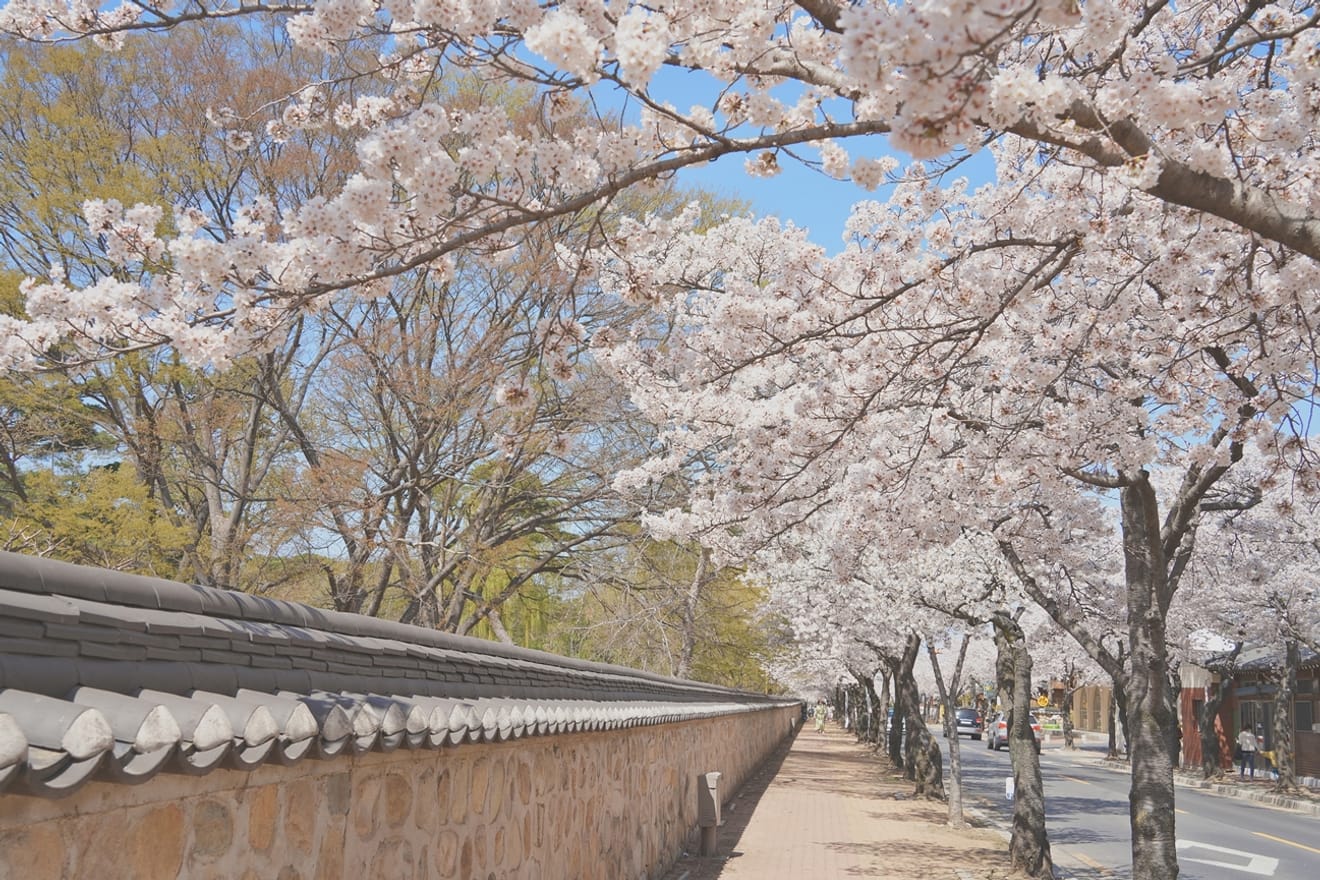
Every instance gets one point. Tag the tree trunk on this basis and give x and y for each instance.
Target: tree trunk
(1118, 722)
(690, 602)
(888, 714)
(947, 700)
(1283, 746)
(925, 765)
(1029, 847)
(1174, 733)
(1066, 705)
(895, 734)
(1149, 704)
(1212, 751)
(497, 627)
(1112, 751)
(874, 710)
(866, 709)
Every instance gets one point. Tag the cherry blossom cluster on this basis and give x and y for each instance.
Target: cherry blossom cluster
(971, 360)
(1206, 105)
(1257, 576)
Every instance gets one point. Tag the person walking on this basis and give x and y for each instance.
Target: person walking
(1247, 745)
(820, 712)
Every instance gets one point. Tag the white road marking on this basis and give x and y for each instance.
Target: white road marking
(1248, 863)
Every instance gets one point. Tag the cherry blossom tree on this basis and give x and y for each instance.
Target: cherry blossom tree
(948, 690)
(1261, 592)
(957, 587)
(968, 582)
(1160, 100)
(1010, 384)
(1133, 296)
(852, 621)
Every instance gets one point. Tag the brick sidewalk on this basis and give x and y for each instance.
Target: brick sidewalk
(825, 807)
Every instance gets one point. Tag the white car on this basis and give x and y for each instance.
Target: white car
(997, 732)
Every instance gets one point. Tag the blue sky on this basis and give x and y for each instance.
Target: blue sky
(799, 194)
(805, 196)
(808, 198)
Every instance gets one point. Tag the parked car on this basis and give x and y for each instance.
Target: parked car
(968, 722)
(997, 733)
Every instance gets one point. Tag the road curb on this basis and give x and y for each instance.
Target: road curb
(1223, 789)
(1271, 798)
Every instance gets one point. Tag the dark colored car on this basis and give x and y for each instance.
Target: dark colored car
(997, 734)
(968, 722)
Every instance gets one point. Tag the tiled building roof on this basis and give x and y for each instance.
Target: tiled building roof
(1260, 660)
(114, 676)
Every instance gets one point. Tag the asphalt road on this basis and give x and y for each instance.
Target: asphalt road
(1219, 838)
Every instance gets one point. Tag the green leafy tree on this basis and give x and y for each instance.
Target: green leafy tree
(104, 517)
(659, 605)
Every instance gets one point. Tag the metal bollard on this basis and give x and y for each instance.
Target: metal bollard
(708, 810)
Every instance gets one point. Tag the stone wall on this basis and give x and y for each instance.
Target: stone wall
(612, 805)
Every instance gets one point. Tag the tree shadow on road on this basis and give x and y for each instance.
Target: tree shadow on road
(1068, 806)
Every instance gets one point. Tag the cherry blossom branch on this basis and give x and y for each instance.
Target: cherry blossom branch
(1061, 615)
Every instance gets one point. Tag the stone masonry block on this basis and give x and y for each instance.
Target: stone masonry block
(398, 796)
(445, 855)
(263, 816)
(33, 853)
(213, 831)
(366, 810)
(155, 845)
(302, 812)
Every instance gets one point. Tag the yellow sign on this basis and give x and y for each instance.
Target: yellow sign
(1042, 701)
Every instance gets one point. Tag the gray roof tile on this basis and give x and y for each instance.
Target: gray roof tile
(143, 724)
(58, 725)
(13, 744)
(41, 647)
(108, 673)
(203, 725)
(38, 606)
(21, 629)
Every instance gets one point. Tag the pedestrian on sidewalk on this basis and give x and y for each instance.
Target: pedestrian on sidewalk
(1247, 745)
(820, 716)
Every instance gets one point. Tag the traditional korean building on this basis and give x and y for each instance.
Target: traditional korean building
(1251, 702)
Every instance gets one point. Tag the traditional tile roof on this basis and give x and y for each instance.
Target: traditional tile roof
(1259, 659)
(115, 676)
(1266, 659)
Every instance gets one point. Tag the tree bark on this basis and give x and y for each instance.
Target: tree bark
(1212, 751)
(866, 711)
(924, 764)
(1146, 686)
(947, 701)
(1029, 847)
(1070, 688)
(895, 734)
(1065, 718)
(1283, 745)
(1118, 722)
(690, 602)
(887, 712)
(875, 711)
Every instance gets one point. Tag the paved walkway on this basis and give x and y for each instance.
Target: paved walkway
(825, 807)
